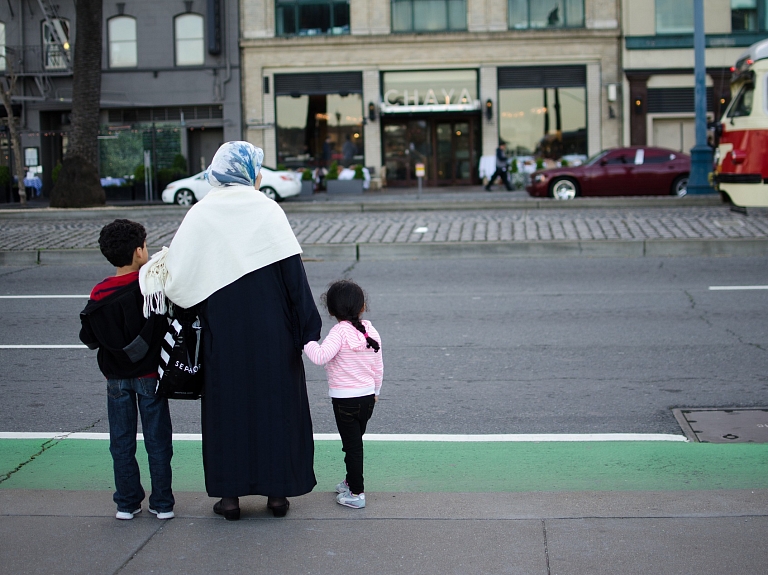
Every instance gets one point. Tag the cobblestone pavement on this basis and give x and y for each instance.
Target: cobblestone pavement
(510, 225)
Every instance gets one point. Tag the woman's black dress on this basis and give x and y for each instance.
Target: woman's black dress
(257, 429)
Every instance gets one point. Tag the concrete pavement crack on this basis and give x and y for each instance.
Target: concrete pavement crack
(45, 447)
(139, 549)
(546, 547)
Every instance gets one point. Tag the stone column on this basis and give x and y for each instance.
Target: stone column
(372, 129)
(489, 91)
(594, 107)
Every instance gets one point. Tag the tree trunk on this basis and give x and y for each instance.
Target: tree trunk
(79, 184)
(6, 91)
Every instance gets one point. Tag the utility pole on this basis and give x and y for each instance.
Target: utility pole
(701, 153)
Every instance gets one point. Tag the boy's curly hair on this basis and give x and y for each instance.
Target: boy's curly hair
(120, 239)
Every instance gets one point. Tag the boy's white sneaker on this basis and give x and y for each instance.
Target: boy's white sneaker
(127, 515)
(342, 487)
(162, 514)
(349, 499)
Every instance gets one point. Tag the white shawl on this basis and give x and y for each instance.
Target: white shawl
(231, 232)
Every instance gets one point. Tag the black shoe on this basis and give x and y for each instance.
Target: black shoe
(232, 514)
(278, 506)
(487, 189)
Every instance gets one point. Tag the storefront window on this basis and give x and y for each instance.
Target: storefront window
(744, 17)
(674, 16)
(525, 14)
(429, 15)
(312, 17)
(314, 130)
(547, 122)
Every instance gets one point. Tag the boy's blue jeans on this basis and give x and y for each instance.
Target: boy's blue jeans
(122, 398)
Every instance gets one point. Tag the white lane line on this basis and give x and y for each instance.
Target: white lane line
(535, 437)
(735, 288)
(72, 346)
(45, 296)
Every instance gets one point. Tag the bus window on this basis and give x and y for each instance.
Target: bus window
(742, 105)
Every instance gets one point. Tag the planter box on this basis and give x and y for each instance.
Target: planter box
(307, 187)
(344, 186)
(119, 193)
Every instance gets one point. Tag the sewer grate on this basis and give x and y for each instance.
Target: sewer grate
(724, 425)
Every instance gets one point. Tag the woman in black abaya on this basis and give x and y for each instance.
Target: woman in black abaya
(236, 260)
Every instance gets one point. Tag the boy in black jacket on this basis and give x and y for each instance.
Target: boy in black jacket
(129, 354)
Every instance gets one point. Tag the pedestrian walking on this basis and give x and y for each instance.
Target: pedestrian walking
(501, 168)
(128, 355)
(351, 354)
(236, 261)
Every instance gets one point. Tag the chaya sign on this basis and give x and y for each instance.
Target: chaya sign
(433, 100)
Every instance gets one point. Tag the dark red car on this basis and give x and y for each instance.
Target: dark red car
(635, 171)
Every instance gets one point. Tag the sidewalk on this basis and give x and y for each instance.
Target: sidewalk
(453, 222)
(574, 508)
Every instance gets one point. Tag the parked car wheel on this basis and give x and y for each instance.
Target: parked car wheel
(271, 194)
(563, 189)
(680, 186)
(184, 197)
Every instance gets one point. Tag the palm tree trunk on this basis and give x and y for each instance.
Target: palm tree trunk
(79, 184)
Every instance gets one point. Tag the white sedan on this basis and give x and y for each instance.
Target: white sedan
(276, 185)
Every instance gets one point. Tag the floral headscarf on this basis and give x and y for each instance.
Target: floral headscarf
(235, 163)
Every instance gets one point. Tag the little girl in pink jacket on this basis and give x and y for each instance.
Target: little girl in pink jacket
(351, 354)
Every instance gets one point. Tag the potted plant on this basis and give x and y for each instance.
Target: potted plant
(307, 182)
(334, 185)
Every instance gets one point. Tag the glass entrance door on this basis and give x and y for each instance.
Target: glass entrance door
(454, 153)
(406, 143)
(450, 161)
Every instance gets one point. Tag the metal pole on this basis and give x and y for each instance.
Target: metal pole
(701, 153)
(419, 194)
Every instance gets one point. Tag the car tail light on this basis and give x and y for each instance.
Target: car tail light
(286, 177)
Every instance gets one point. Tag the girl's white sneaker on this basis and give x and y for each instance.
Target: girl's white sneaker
(342, 487)
(355, 501)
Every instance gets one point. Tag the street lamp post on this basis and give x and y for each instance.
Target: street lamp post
(701, 153)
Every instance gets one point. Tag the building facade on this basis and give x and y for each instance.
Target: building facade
(170, 81)
(395, 83)
(658, 62)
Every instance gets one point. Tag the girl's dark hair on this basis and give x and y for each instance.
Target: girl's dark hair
(120, 239)
(345, 300)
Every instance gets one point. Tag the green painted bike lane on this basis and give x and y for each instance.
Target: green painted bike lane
(418, 466)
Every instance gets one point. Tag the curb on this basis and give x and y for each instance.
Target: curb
(411, 204)
(373, 252)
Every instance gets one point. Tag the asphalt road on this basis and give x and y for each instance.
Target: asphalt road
(470, 345)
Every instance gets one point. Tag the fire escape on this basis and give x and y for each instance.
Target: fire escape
(43, 63)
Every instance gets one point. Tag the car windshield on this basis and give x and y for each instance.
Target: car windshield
(596, 158)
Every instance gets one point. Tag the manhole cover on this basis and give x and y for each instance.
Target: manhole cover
(724, 425)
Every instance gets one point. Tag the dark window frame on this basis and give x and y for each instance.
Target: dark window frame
(760, 14)
(413, 30)
(295, 4)
(564, 19)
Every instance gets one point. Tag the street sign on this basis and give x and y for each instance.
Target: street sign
(419, 170)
